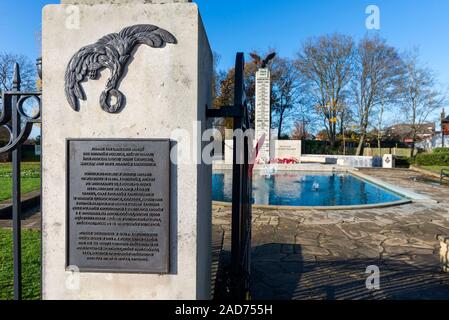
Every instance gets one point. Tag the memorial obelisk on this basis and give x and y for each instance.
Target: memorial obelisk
(263, 112)
(263, 105)
(121, 219)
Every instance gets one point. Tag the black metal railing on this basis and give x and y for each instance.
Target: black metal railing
(19, 124)
(239, 282)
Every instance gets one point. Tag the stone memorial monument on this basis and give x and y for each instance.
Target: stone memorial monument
(287, 149)
(263, 104)
(263, 111)
(122, 219)
(272, 149)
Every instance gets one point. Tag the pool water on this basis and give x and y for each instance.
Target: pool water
(305, 190)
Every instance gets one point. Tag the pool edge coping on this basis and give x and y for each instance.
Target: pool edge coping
(406, 193)
(318, 208)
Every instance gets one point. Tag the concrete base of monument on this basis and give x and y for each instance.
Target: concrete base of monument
(286, 149)
(280, 149)
(342, 160)
(221, 165)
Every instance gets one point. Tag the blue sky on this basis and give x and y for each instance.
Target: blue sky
(245, 25)
(256, 24)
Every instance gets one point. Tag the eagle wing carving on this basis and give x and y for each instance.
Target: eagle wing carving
(113, 52)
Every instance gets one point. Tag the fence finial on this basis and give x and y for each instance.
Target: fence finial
(16, 77)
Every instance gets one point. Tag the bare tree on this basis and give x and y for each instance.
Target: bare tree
(378, 72)
(287, 88)
(218, 77)
(326, 62)
(420, 98)
(300, 130)
(27, 71)
(346, 121)
(379, 128)
(225, 95)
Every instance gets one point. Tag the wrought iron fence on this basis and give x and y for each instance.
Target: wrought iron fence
(19, 125)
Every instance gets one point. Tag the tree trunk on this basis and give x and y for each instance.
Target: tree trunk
(361, 145)
(332, 135)
(342, 125)
(379, 145)
(281, 120)
(412, 152)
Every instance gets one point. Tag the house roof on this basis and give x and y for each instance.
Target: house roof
(404, 130)
(430, 126)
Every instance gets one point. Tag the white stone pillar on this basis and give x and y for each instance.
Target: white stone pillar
(166, 89)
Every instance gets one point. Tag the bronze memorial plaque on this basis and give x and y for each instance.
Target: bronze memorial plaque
(118, 206)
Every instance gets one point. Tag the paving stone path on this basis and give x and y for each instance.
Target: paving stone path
(31, 219)
(311, 254)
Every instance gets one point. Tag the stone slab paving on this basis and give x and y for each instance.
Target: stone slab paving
(311, 254)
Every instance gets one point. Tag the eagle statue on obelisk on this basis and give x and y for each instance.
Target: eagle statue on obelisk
(262, 63)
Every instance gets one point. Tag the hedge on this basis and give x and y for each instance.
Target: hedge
(432, 159)
(441, 150)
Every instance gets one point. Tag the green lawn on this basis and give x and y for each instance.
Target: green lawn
(436, 169)
(31, 265)
(30, 179)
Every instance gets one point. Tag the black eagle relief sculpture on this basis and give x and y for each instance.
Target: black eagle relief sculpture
(113, 52)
